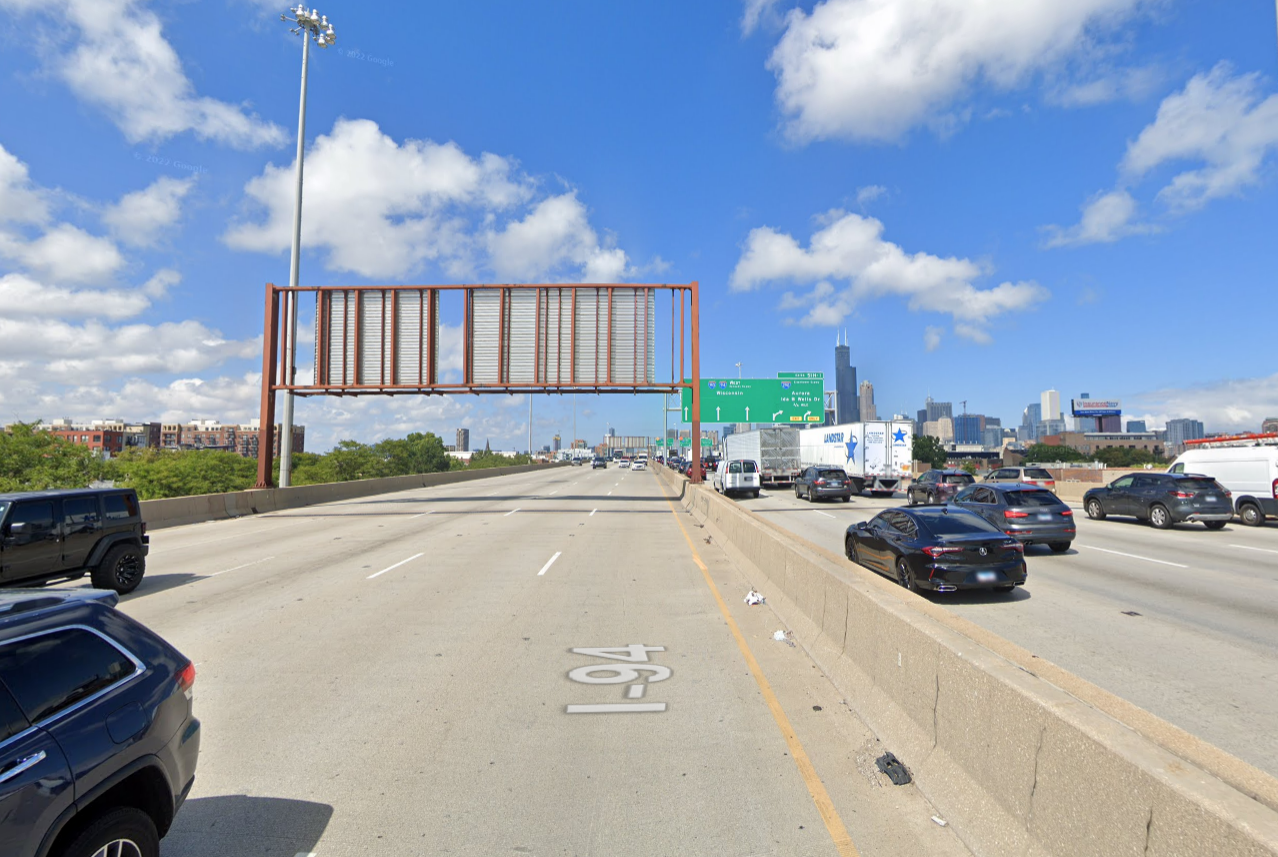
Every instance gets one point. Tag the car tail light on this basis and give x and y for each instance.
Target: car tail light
(934, 552)
(1013, 513)
(1275, 489)
(1015, 546)
(1068, 513)
(1182, 495)
(144, 528)
(186, 678)
(819, 482)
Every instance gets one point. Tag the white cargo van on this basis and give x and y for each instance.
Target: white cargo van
(1250, 473)
(737, 476)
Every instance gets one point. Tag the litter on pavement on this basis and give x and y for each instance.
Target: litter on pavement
(891, 765)
(786, 637)
(940, 821)
(752, 598)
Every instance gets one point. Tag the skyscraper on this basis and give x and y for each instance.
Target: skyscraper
(463, 440)
(1030, 418)
(937, 410)
(866, 397)
(846, 405)
(1179, 431)
(1051, 403)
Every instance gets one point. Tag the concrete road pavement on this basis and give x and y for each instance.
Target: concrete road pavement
(533, 664)
(1183, 623)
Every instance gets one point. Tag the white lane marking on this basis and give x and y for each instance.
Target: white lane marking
(553, 493)
(615, 708)
(1249, 548)
(819, 512)
(393, 567)
(545, 568)
(1133, 556)
(238, 567)
(592, 514)
(511, 512)
(609, 494)
(423, 513)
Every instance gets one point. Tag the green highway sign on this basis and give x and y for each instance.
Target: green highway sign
(687, 443)
(758, 400)
(808, 376)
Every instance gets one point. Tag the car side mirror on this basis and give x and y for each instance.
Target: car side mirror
(17, 528)
(862, 525)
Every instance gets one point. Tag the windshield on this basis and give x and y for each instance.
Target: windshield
(1197, 484)
(1037, 473)
(958, 479)
(748, 467)
(957, 524)
(4, 507)
(1029, 499)
(831, 474)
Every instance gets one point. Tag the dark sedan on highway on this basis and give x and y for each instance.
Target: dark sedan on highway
(1033, 515)
(938, 548)
(1163, 499)
(937, 486)
(823, 483)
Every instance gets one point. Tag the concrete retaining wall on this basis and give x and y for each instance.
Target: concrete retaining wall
(176, 511)
(1019, 765)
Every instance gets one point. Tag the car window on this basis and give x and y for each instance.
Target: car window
(903, 523)
(1029, 499)
(957, 523)
(80, 514)
(930, 476)
(53, 671)
(966, 495)
(120, 506)
(1037, 473)
(959, 479)
(986, 496)
(37, 516)
(12, 720)
(749, 467)
(1176, 468)
(832, 474)
(734, 467)
(1197, 484)
(1123, 482)
(1147, 482)
(4, 504)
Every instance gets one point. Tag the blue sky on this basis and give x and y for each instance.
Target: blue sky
(993, 199)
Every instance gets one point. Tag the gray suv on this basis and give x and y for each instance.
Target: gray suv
(49, 536)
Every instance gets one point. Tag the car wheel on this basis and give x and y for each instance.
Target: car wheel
(931, 499)
(811, 496)
(123, 832)
(1214, 525)
(1159, 517)
(1058, 547)
(909, 498)
(755, 494)
(1251, 515)
(849, 550)
(1095, 510)
(121, 569)
(905, 575)
(797, 496)
(847, 499)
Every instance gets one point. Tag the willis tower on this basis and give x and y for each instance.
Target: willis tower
(847, 406)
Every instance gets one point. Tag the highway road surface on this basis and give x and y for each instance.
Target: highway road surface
(1181, 622)
(534, 664)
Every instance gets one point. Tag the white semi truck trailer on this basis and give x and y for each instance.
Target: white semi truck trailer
(877, 456)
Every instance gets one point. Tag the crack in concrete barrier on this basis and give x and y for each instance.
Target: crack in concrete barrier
(1149, 826)
(1038, 751)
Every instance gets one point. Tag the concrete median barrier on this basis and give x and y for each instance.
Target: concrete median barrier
(1021, 757)
(177, 511)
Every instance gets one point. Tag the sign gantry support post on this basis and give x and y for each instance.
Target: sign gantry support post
(696, 385)
(266, 423)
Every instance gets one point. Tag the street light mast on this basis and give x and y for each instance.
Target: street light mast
(311, 25)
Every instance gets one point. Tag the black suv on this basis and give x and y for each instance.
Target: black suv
(1163, 499)
(47, 536)
(938, 486)
(97, 741)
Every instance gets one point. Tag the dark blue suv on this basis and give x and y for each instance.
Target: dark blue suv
(97, 741)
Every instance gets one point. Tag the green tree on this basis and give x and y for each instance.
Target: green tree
(417, 453)
(158, 473)
(929, 449)
(35, 460)
(1041, 452)
(969, 467)
(1122, 457)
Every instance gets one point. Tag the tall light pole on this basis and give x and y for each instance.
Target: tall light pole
(738, 371)
(312, 26)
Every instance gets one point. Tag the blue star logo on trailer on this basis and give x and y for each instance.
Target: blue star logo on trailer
(851, 445)
(898, 436)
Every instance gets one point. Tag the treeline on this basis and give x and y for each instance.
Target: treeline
(1041, 453)
(34, 460)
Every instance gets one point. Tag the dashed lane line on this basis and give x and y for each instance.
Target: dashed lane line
(819, 512)
(592, 513)
(545, 568)
(511, 512)
(1132, 556)
(393, 567)
(238, 567)
(423, 513)
(1250, 548)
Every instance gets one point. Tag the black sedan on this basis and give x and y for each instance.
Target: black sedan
(1036, 516)
(939, 548)
(820, 483)
(1163, 499)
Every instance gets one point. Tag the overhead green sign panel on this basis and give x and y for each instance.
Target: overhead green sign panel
(798, 401)
(809, 376)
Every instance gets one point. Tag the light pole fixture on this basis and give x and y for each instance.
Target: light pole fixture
(738, 370)
(311, 25)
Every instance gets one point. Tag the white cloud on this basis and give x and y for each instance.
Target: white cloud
(757, 12)
(139, 217)
(932, 338)
(555, 233)
(1218, 119)
(383, 209)
(851, 248)
(20, 200)
(1107, 217)
(113, 55)
(65, 253)
(869, 193)
(1229, 405)
(874, 69)
(160, 283)
(22, 296)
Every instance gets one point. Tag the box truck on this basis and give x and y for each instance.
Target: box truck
(877, 456)
(776, 450)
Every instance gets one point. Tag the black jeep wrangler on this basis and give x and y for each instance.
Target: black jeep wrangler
(49, 536)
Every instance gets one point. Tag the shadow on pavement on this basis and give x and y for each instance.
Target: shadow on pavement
(239, 824)
(978, 596)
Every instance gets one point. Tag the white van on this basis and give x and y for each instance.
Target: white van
(1250, 473)
(740, 475)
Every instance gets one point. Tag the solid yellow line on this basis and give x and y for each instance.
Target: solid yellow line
(820, 797)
